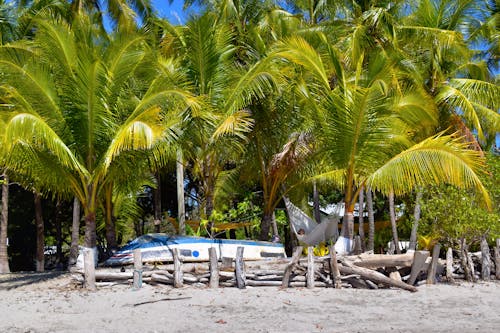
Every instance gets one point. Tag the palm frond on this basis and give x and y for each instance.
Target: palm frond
(436, 160)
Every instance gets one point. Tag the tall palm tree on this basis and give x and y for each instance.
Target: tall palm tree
(82, 103)
(213, 137)
(369, 119)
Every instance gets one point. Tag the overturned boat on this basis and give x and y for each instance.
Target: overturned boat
(159, 248)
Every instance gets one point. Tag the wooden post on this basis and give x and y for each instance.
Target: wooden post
(431, 272)
(310, 267)
(288, 270)
(464, 259)
(419, 259)
(449, 265)
(239, 268)
(485, 259)
(214, 269)
(89, 269)
(137, 269)
(334, 269)
(177, 269)
(497, 259)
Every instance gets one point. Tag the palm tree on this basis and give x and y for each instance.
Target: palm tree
(369, 121)
(213, 137)
(83, 104)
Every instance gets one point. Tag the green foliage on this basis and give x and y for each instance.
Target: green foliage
(449, 214)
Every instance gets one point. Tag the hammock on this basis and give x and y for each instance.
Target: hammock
(307, 230)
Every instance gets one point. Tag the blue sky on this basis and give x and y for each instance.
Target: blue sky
(173, 12)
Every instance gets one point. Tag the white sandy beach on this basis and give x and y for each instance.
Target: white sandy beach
(56, 305)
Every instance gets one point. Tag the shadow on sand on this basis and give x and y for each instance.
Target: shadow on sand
(19, 279)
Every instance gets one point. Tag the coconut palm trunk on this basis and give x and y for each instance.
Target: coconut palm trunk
(317, 213)
(110, 219)
(157, 203)
(361, 229)
(4, 257)
(416, 219)
(40, 239)
(181, 213)
(371, 220)
(392, 213)
(75, 232)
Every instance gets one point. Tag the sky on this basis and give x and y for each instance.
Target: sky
(173, 12)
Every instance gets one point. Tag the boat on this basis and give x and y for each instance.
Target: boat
(159, 247)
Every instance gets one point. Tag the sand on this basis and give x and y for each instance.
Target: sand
(52, 303)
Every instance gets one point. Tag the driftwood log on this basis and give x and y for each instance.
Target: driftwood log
(376, 277)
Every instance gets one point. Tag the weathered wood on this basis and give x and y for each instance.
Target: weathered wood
(239, 268)
(382, 260)
(395, 275)
(214, 269)
(89, 269)
(254, 283)
(470, 263)
(449, 265)
(227, 264)
(137, 269)
(375, 276)
(310, 267)
(497, 259)
(177, 269)
(161, 278)
(288, 270)
(485, 260)
(334, 268)
(419, 259)
(464, 260)
(431, 273)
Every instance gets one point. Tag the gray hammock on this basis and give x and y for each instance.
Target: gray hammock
(307, 230)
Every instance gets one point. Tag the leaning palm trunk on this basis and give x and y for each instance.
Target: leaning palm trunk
(371, 220)
(75, 232)
(392, 213)
(40, 239)
(416, 219)
(4, 258)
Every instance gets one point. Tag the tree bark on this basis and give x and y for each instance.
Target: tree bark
(4, 257)
(265, 226)
(181, 213)
(40, 239)
(361, 229)
(416, 219)
(371, 220)
(59, 236)
(157, 203)
(317, 213)
(111, 242)
(392, 213)
(90, 231)
(348, 225)
(75, 232)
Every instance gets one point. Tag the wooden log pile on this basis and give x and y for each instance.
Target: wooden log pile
(369, 271)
